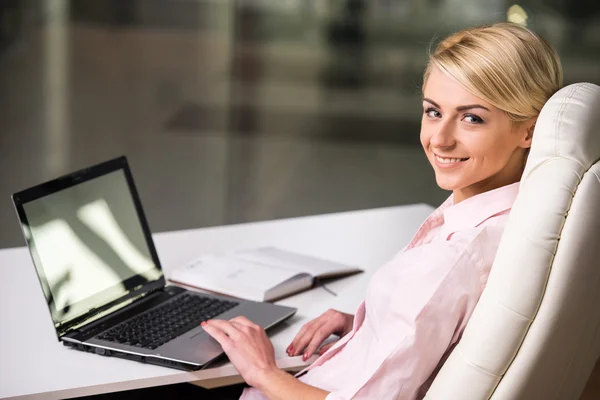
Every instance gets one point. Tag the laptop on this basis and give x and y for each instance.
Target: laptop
(102, 279)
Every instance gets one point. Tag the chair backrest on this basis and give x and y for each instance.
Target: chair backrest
(535, 333)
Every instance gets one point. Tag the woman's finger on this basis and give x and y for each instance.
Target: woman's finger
(304, 336)
(319, 337)
(218, 334)
(323, 349)
(302, 331)
(243, 330)
(226, 326)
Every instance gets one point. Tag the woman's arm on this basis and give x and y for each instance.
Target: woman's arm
(251, 352)
(279, 385)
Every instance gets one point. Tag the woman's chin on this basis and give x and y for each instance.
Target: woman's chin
(444, 184)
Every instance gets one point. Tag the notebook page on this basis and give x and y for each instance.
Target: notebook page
(231, 275)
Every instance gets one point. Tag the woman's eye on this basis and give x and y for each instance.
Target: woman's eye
(472, 119)
(432, 113)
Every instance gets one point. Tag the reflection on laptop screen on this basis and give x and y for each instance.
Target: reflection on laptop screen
(88, 241)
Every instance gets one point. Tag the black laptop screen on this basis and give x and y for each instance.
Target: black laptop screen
(88, 245)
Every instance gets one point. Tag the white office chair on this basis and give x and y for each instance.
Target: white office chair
(535, 333)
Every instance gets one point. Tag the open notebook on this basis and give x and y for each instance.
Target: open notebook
(263, 274)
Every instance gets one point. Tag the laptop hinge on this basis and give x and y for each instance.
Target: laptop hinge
(67, 338)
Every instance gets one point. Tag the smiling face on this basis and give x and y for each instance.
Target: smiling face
(473, 146)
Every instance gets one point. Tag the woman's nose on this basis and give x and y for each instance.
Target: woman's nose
(443, 136)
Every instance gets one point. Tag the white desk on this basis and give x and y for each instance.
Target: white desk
(33, 364)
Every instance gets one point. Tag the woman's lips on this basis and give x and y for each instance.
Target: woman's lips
(448, 162)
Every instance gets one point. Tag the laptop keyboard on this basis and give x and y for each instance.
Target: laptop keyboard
(166, 322)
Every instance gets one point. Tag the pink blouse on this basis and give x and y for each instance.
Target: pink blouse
(417, 305)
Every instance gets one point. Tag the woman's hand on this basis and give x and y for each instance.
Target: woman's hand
(247, 346)
(316, 331)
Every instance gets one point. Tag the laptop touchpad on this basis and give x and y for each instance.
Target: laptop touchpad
(195, 346)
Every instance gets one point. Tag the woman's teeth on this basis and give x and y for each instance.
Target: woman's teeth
(449, 160)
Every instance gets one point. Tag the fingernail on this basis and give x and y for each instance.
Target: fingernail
(202, 323)
(305, 356)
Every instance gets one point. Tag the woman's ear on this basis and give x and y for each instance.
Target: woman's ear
(528, 128)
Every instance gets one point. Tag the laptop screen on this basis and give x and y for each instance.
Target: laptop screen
(88, 245)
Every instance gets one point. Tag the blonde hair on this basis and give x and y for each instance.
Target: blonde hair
(505, 64)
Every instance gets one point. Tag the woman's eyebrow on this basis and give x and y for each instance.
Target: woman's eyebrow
(432, 102)
(470, 106)
(459, 108)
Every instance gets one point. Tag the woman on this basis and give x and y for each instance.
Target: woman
(483, 90)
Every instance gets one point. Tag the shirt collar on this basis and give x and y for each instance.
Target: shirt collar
(471, 212)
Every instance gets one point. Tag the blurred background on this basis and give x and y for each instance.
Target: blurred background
(236, 111)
